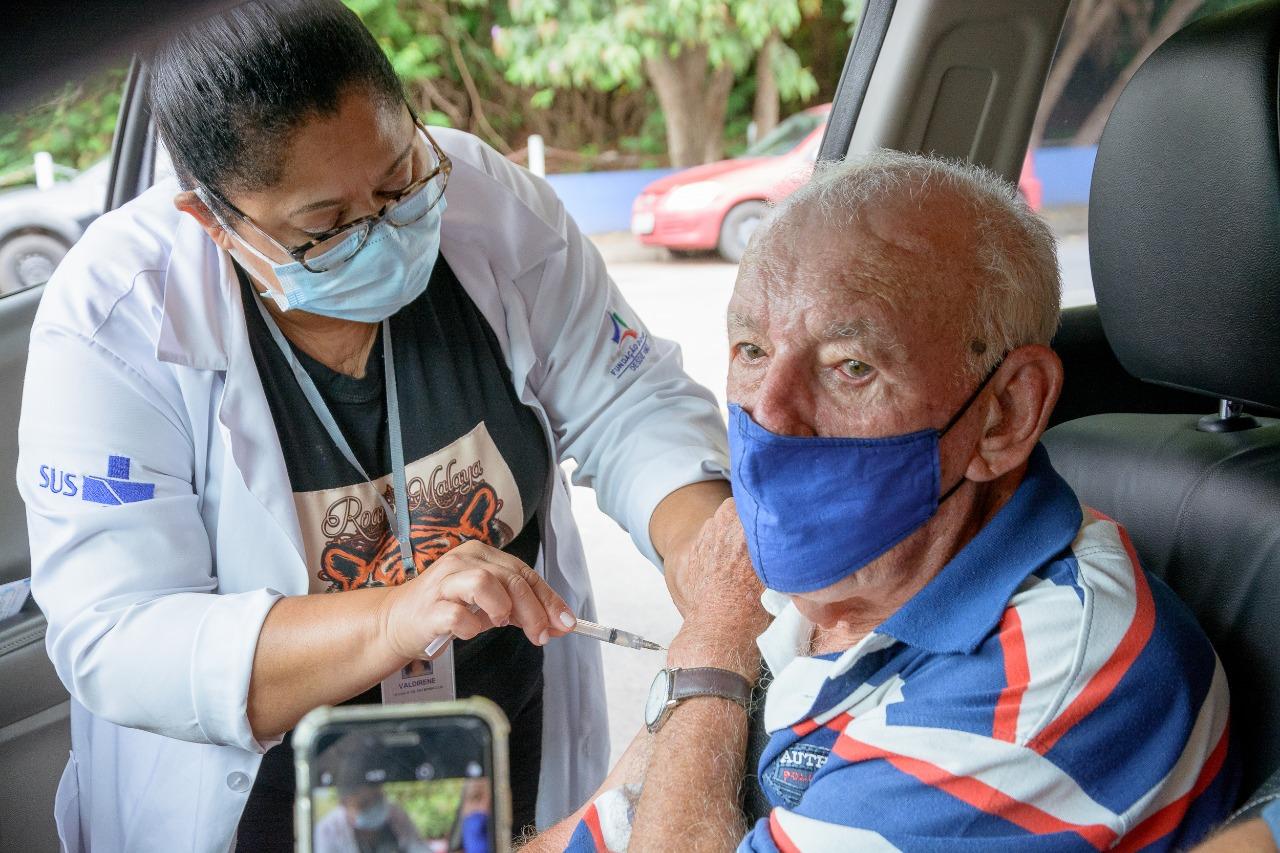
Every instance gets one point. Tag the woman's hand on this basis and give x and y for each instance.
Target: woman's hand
(503, 590)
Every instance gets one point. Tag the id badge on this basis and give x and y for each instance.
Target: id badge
(422, 681)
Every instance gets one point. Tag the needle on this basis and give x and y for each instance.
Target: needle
(583, 627)
(615, 636)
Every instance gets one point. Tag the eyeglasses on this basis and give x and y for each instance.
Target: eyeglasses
(334, 248)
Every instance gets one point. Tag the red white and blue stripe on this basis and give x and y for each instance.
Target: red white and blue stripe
(1041, 693)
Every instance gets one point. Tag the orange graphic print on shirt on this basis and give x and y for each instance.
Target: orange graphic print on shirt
(461, 493)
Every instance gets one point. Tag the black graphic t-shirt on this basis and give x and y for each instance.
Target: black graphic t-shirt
(477, 467)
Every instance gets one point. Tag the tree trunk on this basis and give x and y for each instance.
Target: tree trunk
(1090, 130)
(693, 99)
(766, 108)
(1086, 22)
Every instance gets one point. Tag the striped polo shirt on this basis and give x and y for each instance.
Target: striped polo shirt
(1042, 692)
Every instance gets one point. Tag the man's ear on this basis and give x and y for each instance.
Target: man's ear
(1024, 390)
(189, 203)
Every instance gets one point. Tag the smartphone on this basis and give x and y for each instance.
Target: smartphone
(410, 778)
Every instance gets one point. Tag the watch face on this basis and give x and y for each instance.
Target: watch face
(659, 692)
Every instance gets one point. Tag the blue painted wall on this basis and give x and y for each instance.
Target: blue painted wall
(601, 201)
(1065, 173)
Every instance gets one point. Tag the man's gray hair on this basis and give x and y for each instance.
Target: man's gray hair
(1019, 297)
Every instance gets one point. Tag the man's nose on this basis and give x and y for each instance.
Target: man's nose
(784, 404)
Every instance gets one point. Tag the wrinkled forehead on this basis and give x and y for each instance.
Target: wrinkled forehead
(908, 269)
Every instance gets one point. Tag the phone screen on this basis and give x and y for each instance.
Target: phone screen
(388, 786)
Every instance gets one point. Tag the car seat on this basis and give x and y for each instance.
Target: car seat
(1184, 239)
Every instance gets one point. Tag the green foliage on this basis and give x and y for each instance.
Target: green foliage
(75, 125)
(507, 69)
(795, 82)
(409, 34)
(603, 43)
(432, 806)
(852, 14)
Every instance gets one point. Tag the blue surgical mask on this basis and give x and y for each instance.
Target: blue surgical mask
(391, 271)
(373, 817)
(815, 510)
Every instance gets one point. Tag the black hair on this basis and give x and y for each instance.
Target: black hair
(227, 92)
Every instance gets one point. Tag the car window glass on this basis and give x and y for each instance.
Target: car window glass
(785, 136)
(1103, 43)
(54, 168)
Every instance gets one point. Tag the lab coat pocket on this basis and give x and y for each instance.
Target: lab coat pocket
(66, 807)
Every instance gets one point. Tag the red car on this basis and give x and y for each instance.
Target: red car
(718, 205)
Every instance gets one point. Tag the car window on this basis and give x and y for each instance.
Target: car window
(54, 168)
(786, 135)
(1102, 44)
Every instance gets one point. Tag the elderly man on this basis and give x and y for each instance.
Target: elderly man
(964, 657)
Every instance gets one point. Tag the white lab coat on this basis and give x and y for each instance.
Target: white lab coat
(139, 352)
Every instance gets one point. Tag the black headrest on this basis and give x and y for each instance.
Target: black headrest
(1184, 212)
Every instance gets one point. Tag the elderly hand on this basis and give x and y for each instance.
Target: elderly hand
(717, 566)
(724, 615)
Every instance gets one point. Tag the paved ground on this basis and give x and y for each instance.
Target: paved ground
(685, 301)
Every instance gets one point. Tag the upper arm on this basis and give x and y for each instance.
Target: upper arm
(618, 399)
(106, 469)
(121, 561)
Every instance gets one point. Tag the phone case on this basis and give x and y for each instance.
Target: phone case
(304, 740)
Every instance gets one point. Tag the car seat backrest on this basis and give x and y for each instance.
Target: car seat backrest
(1184, 240)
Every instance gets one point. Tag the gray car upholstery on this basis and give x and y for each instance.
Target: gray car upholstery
(1184, 233)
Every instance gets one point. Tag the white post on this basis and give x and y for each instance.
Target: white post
(537, 156)
(44, 170)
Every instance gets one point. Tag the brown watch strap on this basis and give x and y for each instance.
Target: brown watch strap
(710, 681)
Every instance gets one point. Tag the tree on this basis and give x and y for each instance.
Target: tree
(1103, 44)
(1087, 19)
(772, 65)
(75, 125)
(1175, 15)
(444, 51)
(433, 47)
(689, 51)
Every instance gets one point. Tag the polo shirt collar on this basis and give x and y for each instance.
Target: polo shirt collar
(960, 607)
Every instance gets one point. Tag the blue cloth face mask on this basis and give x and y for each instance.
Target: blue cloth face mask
(391, 271)
(815, 510)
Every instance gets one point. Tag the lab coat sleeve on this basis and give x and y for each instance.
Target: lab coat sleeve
(618, 398)
(121, 563)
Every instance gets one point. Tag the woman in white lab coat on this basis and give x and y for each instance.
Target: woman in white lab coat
(220, 443)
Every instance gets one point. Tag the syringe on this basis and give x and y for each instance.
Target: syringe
(587, 629)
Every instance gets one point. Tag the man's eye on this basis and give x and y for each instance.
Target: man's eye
(856, 369)
(750, 352)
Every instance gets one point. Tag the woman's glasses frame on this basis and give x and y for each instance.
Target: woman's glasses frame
(364, 225)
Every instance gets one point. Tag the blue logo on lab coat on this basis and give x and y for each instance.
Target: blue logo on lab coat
(116, 488)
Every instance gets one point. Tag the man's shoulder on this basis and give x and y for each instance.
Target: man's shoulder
(1087, 640)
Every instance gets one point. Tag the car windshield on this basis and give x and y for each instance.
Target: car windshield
(785, 136)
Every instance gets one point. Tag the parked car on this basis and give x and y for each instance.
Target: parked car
(718, 205)
(37, 226)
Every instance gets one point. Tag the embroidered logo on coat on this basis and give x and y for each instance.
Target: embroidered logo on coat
(633, 347)
(112, 490)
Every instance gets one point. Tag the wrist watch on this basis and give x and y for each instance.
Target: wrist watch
(672, 686)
